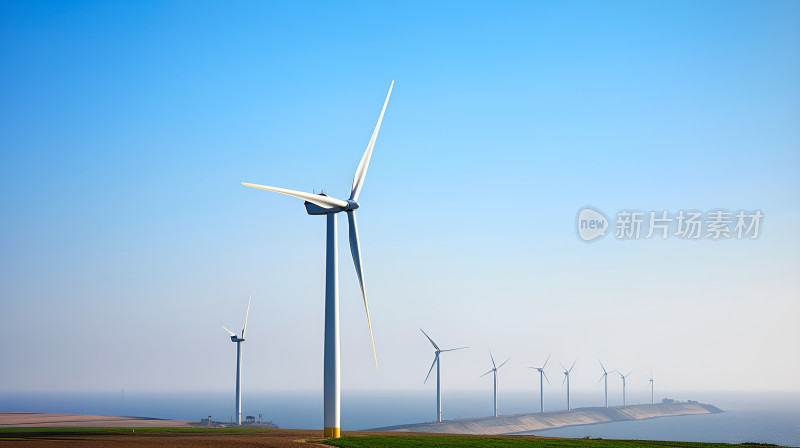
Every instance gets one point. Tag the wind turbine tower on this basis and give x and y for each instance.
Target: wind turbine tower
(436, 362)
(566, 378)
(623, 385)
(494, 370)
(322, 204)
(652, 395)
(604, 377)
(238, 341)
(541, 384)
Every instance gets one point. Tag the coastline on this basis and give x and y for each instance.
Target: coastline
(522, 423)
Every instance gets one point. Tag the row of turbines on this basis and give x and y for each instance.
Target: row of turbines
(542, 377)
(437, 363)
(319, 204)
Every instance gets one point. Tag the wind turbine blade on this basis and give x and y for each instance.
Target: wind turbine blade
(435, 358)
(229, 331)
(493, 364)
(453, 349)
(487, 373)
(573, 365)
(548, 359)
(545, 377)
(501, 365)
(602, 366)
(429, 338)
(601, 377)
(361, 171)
(316, 199)
(355, 249)
(629, 373)
(246, 314)
(564, 380)
(562, 366)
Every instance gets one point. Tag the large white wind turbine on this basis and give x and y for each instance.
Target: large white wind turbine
(652, 395)
(604, 376)
(494, 370)
(437, 362)
(566, 378)
(238, 341)
(623, 384)
(322, 204)
(541, 384)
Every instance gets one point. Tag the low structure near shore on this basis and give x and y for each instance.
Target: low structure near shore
(519, 423)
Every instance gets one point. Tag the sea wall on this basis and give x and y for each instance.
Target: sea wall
(516, 423)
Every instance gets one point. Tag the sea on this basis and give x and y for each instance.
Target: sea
(770, 418)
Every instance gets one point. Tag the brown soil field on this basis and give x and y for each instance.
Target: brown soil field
(269, 438)
(73, 437)
(279, 438)
(41, 420)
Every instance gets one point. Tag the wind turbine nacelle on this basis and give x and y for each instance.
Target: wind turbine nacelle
(235, 339)
(314, 209)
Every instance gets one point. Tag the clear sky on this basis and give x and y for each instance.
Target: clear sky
(126, 239)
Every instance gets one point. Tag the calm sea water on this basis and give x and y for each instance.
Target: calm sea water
(763, 418)
(778, 427)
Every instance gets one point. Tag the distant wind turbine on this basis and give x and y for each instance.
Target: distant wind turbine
(623, 384)
(566, 378)
(238, 341)
(494, 370)
(322, 204)
(437, 363)
(541, 384)
(652, 394)
(604, 376)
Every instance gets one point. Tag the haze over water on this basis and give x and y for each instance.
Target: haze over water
(749, 417)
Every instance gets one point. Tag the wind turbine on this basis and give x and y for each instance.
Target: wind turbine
(566, 378)
(238, 341)
(541, 384)
(494, 369)
(652, 395)
(438, 376)
(623, 384)
(604, 377)
(322, 204)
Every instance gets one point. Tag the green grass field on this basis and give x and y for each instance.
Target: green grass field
(497, 442)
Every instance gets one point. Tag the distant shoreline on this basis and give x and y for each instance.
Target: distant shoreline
(523, 423)
(50, 420)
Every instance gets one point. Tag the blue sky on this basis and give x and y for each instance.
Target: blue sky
(125, 130)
